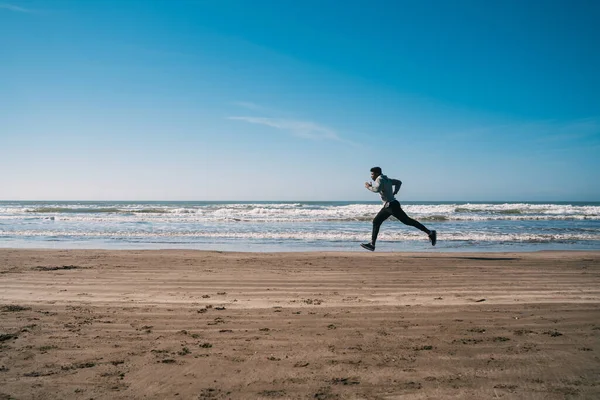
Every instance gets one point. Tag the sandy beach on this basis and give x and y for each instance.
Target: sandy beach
(93, 324)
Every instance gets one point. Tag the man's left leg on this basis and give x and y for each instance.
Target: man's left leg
(399, 213)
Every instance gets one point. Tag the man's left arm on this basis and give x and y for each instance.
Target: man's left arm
(374, 187)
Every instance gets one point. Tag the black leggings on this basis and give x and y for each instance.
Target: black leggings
(394, 209)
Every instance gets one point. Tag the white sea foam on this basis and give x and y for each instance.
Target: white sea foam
(316, 235)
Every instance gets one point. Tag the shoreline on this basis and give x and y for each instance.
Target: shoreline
(432, 252)
(184, 324)
(280, 248)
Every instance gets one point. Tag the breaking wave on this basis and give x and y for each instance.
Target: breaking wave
(298, 222)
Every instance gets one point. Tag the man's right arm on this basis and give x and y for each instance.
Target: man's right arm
(397, 183)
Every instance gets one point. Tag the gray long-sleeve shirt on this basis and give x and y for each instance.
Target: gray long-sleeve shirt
(385, 187)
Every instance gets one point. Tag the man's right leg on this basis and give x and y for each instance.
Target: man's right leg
(377, 221)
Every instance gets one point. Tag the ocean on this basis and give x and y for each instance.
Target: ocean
(297, 226)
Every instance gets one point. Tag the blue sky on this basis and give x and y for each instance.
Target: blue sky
(290, 100)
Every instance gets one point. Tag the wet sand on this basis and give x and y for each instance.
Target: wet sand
(83, 324)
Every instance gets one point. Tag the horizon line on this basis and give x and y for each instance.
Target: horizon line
(303, 201)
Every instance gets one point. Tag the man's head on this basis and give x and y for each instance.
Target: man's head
(375, 172)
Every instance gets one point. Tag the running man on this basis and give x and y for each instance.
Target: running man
(387, 189)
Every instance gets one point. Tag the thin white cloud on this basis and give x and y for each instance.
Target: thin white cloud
(12, 7)
(298, 128)
(302, 129)
(250, 106)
